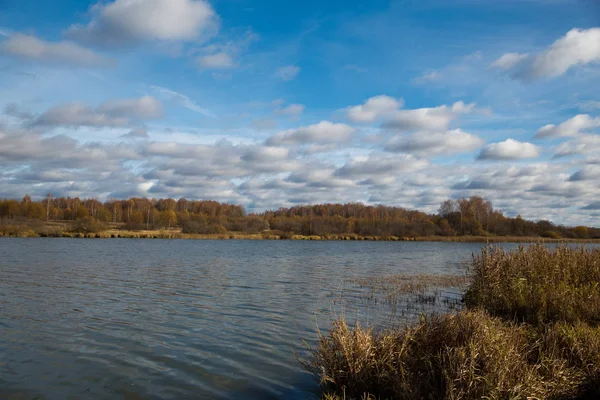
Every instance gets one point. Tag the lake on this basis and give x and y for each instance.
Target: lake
(183, 319)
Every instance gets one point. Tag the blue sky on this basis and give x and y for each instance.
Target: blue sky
(269, 103)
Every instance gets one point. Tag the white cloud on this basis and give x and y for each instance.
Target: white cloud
(429, 76)
(288, 72)
(587, 173)
(145, 107)
(571, 127)
(128, 21)
(324, 132)
(291, 110)
(509, 149)
(218, 60)
(140, 132)
(63, 53)
(432, 119)
(266, 154)
(114, 113)
(183, 100)
(374, 108)
(433, 143)
(509, 60)
(323, 178)
(577, 47)
(582, 144)
(76, 115)
(377, 164)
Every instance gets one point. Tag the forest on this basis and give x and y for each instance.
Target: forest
(472, 216)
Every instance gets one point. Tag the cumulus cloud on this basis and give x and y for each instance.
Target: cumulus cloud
(124, 22)
(287, 73)
(323, 133)
(374, 109)
(509, 60)
(145, 107)
(137, 133)
(571, 127)
(582, 144)
(15, 111)
(509, 149)
(60, 53)
(78, 114)
(587, 173)
(114, 113)
(433, 143)
(221, 160)
(268, 154)
(260, 176)
(218, 61)
(592, 206)
(41, 153)
(319, 178)
(432, 119)
(377, 164)
(302, 165)
(577, 47)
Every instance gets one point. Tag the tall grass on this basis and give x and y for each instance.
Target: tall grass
(537, 284)
(530, 331)
(469, 355)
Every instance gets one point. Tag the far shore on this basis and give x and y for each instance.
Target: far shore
(269, 235)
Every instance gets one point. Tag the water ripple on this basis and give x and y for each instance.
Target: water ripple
(160, 319)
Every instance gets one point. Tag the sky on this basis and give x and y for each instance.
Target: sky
(272, 104)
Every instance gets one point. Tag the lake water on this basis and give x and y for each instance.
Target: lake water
(179, 319)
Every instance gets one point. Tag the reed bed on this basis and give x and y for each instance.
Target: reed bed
(529, 330)
(537, 284)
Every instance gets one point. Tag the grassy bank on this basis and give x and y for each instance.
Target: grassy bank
(530, 329)
(73, 230)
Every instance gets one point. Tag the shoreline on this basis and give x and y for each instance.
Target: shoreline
(176, 234)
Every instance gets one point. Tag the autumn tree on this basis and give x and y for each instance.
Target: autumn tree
(168, 218)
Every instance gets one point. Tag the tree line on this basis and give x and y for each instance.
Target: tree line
(472, 216)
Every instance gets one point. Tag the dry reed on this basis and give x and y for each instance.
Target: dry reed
(530, 331)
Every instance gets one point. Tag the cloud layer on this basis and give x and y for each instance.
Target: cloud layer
(63, 53)
(577, 47)
(207, 99)
(114, 113)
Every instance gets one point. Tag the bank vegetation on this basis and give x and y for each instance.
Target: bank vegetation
(529, 330)
(472, 219)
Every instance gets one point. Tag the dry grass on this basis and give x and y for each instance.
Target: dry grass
(578, 345)
(469, 355)
(530, 331)
(537, 284)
